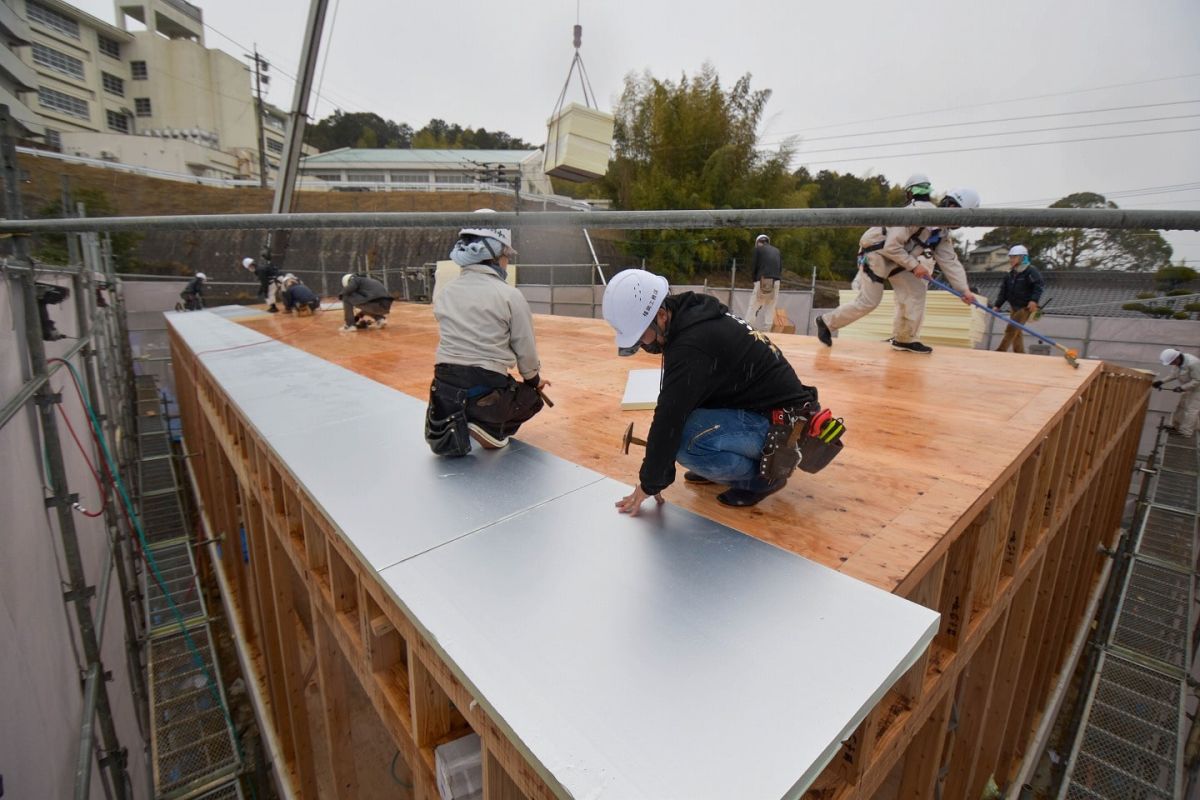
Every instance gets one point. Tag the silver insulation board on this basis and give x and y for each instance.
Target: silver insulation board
(661, 656)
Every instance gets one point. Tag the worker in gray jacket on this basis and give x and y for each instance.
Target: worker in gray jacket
(485, 329)
(768, 270)
(1185, 372)
(364, 300)
(905, 255)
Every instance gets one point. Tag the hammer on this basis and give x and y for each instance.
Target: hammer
(629, 439)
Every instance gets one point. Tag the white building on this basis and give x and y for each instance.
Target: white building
(355, 169)
(156, 98)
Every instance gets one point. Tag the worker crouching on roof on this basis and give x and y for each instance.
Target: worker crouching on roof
(485, 329)
(268, 283)
(193, 293)
(726, 390)
(1186, 372)
(905, 255)
(298, 297)
(364, 300)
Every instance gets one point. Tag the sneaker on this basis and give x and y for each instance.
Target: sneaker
(348, 328)
(695, 478)
(743, 498)
(911, 347)
(381, 322)
(824, 335)
(486, 438)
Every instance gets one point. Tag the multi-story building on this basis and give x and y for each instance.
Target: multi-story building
(155, 97)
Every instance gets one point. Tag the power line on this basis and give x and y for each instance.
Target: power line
(783, 137)
(1108, 193)
(990, 135)
(1001, 146)
(1002, 102)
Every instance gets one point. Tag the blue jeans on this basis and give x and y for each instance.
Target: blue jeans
(725, 446)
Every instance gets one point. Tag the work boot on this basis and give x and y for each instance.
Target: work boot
(742, 498)
(911, 347)
(695, 478)
(271, 309)
(489, 440)
(824, 335)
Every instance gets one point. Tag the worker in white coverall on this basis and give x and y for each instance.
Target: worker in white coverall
(905, 255)
(1186, 372)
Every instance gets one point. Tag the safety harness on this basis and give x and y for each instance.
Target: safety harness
(935, 238)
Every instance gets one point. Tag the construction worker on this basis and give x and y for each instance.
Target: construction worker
(364, 301)
(905, 255)
(768, 270)
(486, 329)
(722, 384)
(267, 275)
(297, 296)
(1186, 372)
(1022, 290)
(193, 293)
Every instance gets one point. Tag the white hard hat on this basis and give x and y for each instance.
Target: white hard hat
(502, 235)
(1168, 356)
(1018, 250)
(762, 237)
(631, 300)
(201, 276)
(346, 279)
(247, 262)
(916, 179)
(964, 197)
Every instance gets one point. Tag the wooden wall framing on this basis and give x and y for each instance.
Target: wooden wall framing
(1011, 582)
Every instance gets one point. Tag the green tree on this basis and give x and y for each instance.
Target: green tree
(52, 247)
(347, 130)
(1083, 248)
(1174, 277)
(691, 143)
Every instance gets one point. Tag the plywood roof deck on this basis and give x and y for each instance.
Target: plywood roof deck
(930, 439)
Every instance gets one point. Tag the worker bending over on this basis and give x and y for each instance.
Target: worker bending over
(364, 300)
(297, 296)
(905, 255)
(1186, 372)
(724, 388)
(268, 283)
(485, 329)
(193, 293)
(1022, 289)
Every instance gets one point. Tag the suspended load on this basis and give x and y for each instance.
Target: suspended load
(580, 136)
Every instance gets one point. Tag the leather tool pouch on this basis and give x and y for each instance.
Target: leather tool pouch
(446, 420)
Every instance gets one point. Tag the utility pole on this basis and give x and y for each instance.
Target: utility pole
(260, 66)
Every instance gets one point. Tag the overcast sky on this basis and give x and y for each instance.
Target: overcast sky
(837, 71)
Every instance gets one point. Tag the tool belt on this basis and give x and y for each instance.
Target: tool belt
(806, 437)
(446, 420)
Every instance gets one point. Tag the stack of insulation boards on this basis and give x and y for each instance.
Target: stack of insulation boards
(578, 143)
(948, 321)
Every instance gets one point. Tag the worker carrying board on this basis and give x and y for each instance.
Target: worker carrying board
(730, 410)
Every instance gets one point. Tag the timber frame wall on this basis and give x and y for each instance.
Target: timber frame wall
(1012, 582)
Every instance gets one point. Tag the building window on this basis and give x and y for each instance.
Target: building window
(118, 122)
(138, 70)
(273, 122)
(53, 139)
(59, 62)
(113, 84)
(141, 106)
(275, 146)
(63, 103)
(453, 177)
(48, 17)
(410, 177)
(365, 177)
(110, 47)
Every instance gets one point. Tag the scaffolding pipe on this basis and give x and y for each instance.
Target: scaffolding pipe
(83, 765)
(1109, 218)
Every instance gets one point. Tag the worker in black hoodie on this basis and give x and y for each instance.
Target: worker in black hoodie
(723, 387)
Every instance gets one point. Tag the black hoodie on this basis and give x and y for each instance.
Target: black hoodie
(712, 359)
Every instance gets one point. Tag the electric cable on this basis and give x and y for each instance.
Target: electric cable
(95, 476)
